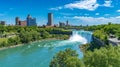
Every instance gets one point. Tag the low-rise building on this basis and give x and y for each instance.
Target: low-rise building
(2, 22)
(22, 23)
(61, 24)
(28, 22)
(19, 22)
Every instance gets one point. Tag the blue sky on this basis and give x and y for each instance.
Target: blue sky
(78, 12)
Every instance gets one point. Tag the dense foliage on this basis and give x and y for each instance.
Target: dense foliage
(28, 34)
(106, 29)
(104, 57)
(103, 32)
(13, 35)
(67, 58)
(100, 34)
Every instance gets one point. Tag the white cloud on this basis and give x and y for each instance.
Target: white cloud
(108, 3)
(118, 10)
(57, 8)
(97, 14)
(118, 17)
(90, 5)
(85, 4)
(99, 20)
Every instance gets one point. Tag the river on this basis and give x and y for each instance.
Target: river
(39, 54)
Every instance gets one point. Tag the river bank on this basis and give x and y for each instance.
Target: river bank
(41, 52)
(3, 48)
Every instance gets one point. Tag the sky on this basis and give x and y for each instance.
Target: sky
(77, 12)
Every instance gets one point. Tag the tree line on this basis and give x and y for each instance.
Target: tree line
(29, 34)
(104, 57)
(94, 55)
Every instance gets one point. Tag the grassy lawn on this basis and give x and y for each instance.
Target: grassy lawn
(3, 39)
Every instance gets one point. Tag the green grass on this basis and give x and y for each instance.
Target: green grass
(3, 39)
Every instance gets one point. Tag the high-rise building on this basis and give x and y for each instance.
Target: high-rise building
(50, 19)
(17, 20)
(31, 21)
(67, 23)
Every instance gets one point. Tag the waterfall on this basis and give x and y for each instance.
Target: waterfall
(80, 36)
(77, 37)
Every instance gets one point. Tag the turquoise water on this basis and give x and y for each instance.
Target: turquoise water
(39, 54)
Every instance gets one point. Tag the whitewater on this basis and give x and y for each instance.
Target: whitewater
(39, 54)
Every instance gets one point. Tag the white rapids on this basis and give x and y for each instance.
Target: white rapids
(77, 38)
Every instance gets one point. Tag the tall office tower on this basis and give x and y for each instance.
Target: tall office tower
(50, 19)
(17, 20)
(67, 23)
(31, 21)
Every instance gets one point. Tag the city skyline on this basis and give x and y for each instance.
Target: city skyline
(83, 12)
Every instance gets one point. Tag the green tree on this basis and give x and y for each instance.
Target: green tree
(25, 36)
(11, 41)
(4, 44)
(104, 57)
(65, 59)
(74, 62)
(35, 35)
(45, 34)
